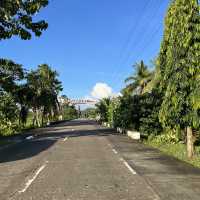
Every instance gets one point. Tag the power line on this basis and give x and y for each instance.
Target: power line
(131, 33)
(154, 33)
(150, 38)
(132, 30)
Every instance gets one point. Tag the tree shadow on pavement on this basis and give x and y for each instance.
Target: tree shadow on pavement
(47, 138)
(24, 150)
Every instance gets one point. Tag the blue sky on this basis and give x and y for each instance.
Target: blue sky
(92, 41)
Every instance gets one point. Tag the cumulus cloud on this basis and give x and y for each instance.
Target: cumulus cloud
(101, 90)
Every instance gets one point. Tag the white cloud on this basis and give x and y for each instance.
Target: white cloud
(101, 90)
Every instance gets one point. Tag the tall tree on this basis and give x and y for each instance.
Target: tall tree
(45, 87)
(10, 76)
(16, 18)
(180, 68)
(23, 96)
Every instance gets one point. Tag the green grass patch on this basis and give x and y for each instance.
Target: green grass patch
(178, 151)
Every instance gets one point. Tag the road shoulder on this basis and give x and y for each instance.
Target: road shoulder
(169, 177)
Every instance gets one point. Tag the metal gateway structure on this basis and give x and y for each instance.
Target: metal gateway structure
(64, 100)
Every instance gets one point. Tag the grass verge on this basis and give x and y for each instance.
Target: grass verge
(176, 150)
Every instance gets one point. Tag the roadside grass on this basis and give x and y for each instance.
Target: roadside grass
(176, 150)
(19, 129)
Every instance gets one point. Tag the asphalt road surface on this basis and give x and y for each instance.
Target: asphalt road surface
(79, 160)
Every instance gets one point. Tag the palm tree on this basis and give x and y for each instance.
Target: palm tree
(51, 86)
(139, 79)
(45, 87)
(34, 87)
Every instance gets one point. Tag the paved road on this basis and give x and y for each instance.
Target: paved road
(80, 160)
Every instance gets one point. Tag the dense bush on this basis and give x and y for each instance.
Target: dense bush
(9, 112)
(149, 108)
(102, 109)
(69, 112)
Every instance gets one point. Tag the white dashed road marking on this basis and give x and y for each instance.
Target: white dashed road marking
(114, 151)
(66, 138)
(125, 163)
(30, 181)
(130, 168)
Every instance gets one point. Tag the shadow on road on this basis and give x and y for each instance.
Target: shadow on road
(151, 162)
(76, 133)
(46, 137)
(24, 150)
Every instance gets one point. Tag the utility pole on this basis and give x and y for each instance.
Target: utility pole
(79, 112)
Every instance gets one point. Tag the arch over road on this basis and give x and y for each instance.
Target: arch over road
(77, 101)
(82, 101)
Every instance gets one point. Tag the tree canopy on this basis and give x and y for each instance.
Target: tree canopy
(181, 72)
(10, 72)
(16, 18)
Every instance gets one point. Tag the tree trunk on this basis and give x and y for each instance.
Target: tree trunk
(48, 120)
(37, 118)
(34, 117)
(52, 114)
(42, 119)
(190, 143)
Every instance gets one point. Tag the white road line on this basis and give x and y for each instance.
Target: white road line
(130, 168)
(114, 151)
(30, 181)
(65, 139)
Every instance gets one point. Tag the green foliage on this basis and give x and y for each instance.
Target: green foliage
(149, 108)
(16, 99)
(180, 65)
(165, 138)
(102, 109)
(138, 80)
(69, 112)
(127, 113)
(139, 112)
(177, 150)
(38, 91)
(10, 73)
(8, 114)
(45, 86)
(16, 18)
(112, 111)
(89, 113)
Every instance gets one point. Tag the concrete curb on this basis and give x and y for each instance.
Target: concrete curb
(133, 135)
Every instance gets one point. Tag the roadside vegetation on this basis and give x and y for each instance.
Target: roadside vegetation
(28, 98)
(164, 103)
(89, 113)
(68, 111)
